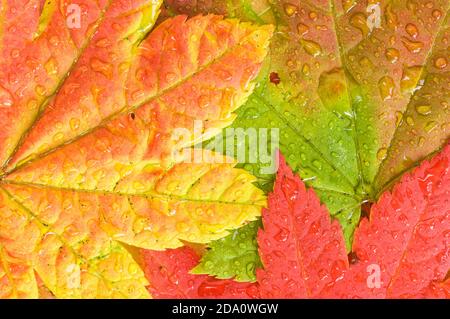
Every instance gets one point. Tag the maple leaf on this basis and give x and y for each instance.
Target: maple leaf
(356, 106)
(88, 160)
(232, 257)
(401, 251)
(301, 249)
(168, 273)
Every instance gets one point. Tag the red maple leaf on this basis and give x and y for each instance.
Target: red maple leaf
(168, 273)
(402, 251)
(301, 249)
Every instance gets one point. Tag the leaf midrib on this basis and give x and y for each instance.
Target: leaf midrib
(148, 195)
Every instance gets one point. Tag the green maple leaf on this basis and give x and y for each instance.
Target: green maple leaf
(235, 256)
(357, 103)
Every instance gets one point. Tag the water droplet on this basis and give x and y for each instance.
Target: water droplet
(412, 46)
(365, 62)
(359, 21)
(410, 120)
(306, 69)
(423, 109)
(102, 67)
(139, 225)
(140, 74)
(290, 9)
(302, 29)
(32, 104)
(441, 257)
(421, 141)
(6, 99)
(124, 67)
(182, 227)
(54, 41)
(311, 47)
(289, 188)
(212, 288)
(116, 26)
(172, 186)
(313, 15)
(398, 118)
(40, 90)
(251, 113)
(392, 55)
(440, 63)
(203, 101)
(74, 124)
(133, 269)
(182, 100)
(172, 212)
(15, 53)
(99, 174)
(138, 94)
(282, 235)
(410, 78)
(103, 43)
(138, 186)
(170, 77)
(209, 264)
(338, 269)
(386, 86)
(381, 154)
(51, 66)
(317, 164)
(348, 4)
(412, 30)
(225, 75)
(437, 14)
(430, 126)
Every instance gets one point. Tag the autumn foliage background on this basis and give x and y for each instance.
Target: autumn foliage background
(95, 204)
